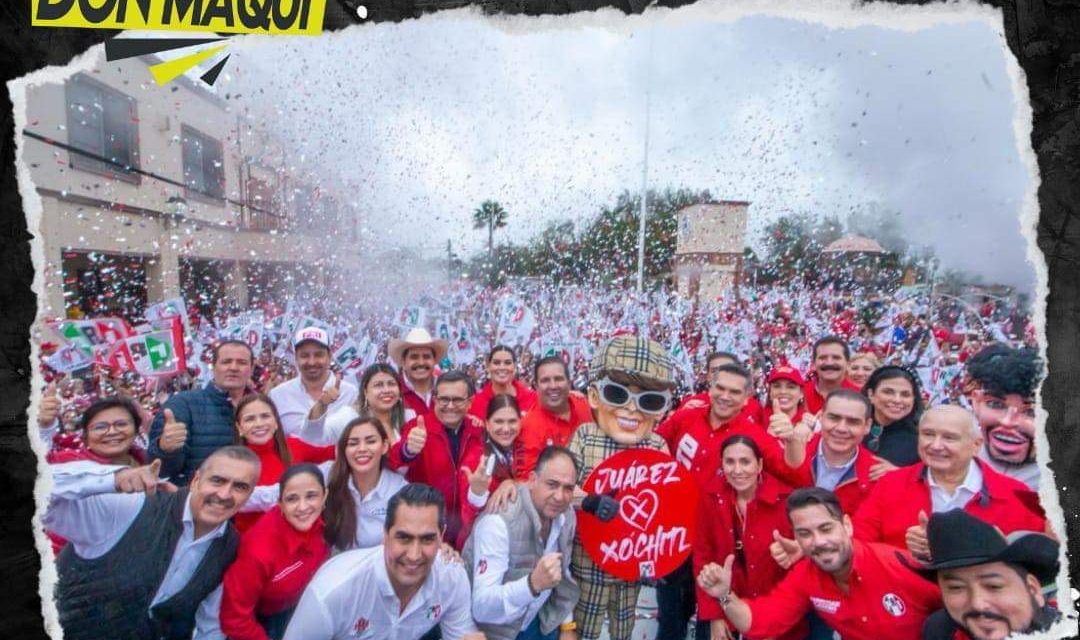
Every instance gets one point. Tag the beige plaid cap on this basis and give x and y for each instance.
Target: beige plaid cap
(634, 356)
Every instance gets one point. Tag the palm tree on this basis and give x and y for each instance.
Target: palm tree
(490, 214)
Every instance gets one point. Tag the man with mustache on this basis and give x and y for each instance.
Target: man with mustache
(295, 398)
(1002, 394)
(992, 586)
(145, 560)
(520, 557)
(862, 590)
(193, 424)
(415, 356)
(395, 591)
(829, 363)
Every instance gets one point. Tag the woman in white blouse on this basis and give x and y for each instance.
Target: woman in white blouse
(359, 486)
(380, 397)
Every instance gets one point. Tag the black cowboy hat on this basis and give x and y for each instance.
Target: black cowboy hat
(959, 539)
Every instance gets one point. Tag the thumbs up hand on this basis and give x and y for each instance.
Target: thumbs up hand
(714, 579)
(784, 551)
(173, 435)
(49, 407)
(780, 424)
(915, 537)
(414, 444)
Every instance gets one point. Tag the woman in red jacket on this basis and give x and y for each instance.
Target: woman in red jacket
(741, 509)
(502, 380)
(277, 558)
(258, 427)
(785, 395)
(497, 452)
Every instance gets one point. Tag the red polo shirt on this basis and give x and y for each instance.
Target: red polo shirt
(541, 427)
(814, 401)
(696, 445)
(885, 600)
(526, 399)
(855, 485)
(893, 505)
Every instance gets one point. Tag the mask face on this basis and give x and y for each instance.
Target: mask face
(626, 424)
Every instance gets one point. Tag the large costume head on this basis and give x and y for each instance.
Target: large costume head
(630, 389)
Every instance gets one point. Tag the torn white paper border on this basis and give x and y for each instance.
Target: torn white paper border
(832, 14)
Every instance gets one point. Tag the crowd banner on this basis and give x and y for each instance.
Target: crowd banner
(653, 533)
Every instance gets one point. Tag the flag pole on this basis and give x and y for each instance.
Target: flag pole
(645, 171)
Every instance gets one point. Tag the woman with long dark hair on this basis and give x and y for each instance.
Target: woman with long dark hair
(359, 486)
(894, 392)
(276, 560)
(501, 369)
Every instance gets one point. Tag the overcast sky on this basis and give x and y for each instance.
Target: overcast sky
(425, 119)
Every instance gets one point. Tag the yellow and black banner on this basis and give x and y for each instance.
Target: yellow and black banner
(273, 17)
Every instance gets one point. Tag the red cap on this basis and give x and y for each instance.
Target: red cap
(785, 372)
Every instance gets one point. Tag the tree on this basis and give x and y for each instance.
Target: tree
(490, 214)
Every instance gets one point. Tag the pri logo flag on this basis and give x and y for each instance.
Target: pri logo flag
(412, 316)
(67, 359)
(157, 353)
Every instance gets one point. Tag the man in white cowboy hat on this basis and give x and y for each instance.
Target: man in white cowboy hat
(295, 398)
(415, 356)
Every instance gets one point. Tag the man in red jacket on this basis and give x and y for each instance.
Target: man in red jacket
(950, 476)
(860, 589)
(829, 365)
(432, 446)
(416, 356)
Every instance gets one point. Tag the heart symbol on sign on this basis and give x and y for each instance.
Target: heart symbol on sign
(639, 510)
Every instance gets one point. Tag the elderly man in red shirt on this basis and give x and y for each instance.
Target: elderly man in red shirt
(862, 590)
(950, 476)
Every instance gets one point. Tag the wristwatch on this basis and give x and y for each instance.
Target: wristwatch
(568, 626)
(725, 599)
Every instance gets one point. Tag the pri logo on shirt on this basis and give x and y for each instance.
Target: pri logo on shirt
(361, 626)
(481, 567)
(893, 604)
(434, 612)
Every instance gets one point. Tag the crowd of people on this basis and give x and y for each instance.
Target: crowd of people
(866, 467)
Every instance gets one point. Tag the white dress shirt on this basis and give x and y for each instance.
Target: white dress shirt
(370, 509)
(327, 429)
(294, 404)
(493, 601)
(351, 597)
(942, 501)
(85, 509)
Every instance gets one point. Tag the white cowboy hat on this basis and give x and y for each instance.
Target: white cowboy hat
(416, 337)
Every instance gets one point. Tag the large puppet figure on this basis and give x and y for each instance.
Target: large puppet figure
(630, 389)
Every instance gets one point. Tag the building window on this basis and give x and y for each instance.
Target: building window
(204, 165)
(103, 125)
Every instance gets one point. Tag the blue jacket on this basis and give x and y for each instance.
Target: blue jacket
(208, 415)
